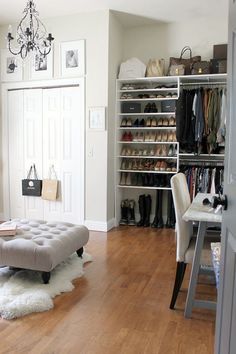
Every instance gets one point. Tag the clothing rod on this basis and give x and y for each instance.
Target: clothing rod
(202, 83)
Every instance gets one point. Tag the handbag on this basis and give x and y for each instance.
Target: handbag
(50, 186)
(176, 70)
(185, 61)
(155, 67)
(200, 67)
(32, 186)
(132, 69)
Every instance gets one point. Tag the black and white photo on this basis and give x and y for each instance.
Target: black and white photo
(11, 67)
(73, 58)
(40, 62)
(42, 66)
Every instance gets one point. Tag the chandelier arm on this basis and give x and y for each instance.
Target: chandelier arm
(45, 52)
(12, 52)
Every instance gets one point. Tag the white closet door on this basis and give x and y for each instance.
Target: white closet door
(16, 152)
(63, 147)
(52, 147)
(33, 146)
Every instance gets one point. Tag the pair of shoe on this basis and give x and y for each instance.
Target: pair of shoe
(126, 122)
(166, 137)
(125, 179)
(127, 136)
(151, 122)
(165, 122)
(139, 123)
(172, 150)
(150, 108)
(128, 87)
(127, 212)
(126, 96)
(164, 166)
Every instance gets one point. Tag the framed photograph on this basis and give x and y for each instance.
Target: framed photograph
(73, 58)
(97, 118)
(42, 66)
(11, 66)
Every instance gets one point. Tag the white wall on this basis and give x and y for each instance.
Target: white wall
(115, 57)
(165, 40)
(93, 27)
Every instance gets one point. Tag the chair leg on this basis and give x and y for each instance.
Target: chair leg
(80, 252)
(180, 271)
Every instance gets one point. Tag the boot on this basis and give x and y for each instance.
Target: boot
(148, 204)
(124, 212)
(142, 210)
(160, 223)
(155, 221)
(169, 207)
(131, 219)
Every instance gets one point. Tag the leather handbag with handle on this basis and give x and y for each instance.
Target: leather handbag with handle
(155, 67)
(32, 186)
(200, 67)
(184, 61)
(176, 70)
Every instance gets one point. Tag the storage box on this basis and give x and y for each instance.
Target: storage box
(168, 106)
(131, 107)
(218, 66)
(220, 51)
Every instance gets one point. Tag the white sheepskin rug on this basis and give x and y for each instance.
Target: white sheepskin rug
(23, 292)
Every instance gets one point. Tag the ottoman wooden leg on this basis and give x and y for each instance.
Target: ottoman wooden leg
(80, 252)
(46, 277)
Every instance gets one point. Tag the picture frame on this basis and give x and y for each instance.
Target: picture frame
(72, 56)
(11, 66)
(42, 67)
(97, 118)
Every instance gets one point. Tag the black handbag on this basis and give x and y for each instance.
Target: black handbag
(32, 186)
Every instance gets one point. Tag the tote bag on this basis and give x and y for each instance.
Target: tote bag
(32, 186)
(50, 186)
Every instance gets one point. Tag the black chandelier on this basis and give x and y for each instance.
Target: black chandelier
(31, 34)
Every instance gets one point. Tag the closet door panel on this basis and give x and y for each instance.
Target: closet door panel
(16, 153)
(72, 115)
(33, 146)
(52, 147)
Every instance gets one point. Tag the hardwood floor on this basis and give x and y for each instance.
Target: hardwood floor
(121, 305)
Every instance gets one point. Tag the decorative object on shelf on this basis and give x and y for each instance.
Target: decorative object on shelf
(97, 118)
(31, 34)
(177, 70)
(132, 68)
(11, 67)
(32, 186)
(42, 66)
(200, 67)
(73, 58)
(155, 67)
(184, 61)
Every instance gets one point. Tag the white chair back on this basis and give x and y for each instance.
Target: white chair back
(181, 198)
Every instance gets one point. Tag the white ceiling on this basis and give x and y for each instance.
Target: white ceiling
(159, 10)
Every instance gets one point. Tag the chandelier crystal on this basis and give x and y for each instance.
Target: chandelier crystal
(31, 34)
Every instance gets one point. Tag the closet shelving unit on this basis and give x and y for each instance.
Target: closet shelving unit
(161, 149)
(148, 91)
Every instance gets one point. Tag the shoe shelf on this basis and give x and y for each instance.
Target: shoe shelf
(147, 142)
(170, 89)
(147, 99)
(167, 127)
(161, 114)
(144, 187)
(148, 171)
(148, 157)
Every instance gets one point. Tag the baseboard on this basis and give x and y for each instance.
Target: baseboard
(100, 226)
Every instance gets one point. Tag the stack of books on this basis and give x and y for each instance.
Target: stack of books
(7, 230)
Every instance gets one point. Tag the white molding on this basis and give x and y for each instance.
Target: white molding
(99, 225)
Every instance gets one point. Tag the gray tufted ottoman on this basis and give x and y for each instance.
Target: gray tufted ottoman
(41, 245)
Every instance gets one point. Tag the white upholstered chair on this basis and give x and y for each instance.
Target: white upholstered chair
(185, 241)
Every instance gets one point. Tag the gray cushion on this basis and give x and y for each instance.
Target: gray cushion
(41, 245)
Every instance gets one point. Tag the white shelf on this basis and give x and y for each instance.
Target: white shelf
(145, 171)
(144, 187)
(149, 157)
(166, 127)
(148, 142)
(148, 114)
(172, 89)
(147, 99)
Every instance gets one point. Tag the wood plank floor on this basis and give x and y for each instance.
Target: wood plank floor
(121, 305)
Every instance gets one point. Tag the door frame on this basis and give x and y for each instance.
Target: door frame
(24, 85)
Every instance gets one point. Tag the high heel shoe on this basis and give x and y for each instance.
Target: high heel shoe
(163, 166)
(164, 137)
(123, 122)
(160, 122)
(159, 136)
(172, 122)
(157, 166)
(148, 122)
(164, 151)
(153, 122)
(152, 137)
